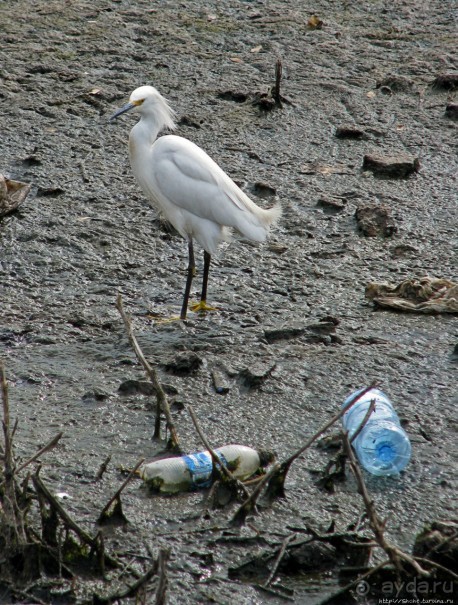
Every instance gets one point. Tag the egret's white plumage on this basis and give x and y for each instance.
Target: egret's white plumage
(194, 194)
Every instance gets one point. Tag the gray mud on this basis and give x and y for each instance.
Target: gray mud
(86, 233)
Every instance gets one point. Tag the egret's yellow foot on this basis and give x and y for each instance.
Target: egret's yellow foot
(201, 306)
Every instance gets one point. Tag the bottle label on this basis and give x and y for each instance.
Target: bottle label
(200, 467)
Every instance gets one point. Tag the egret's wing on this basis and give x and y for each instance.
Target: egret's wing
(188, 178)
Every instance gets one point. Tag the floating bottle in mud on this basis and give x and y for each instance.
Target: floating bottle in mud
(185, 473)
(382, 446)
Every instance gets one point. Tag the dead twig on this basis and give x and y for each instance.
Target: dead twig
(161, 397)
(249, 505)
(276, 89)
(367, 415)
(164, 555)
(116, 496)
(344, 591)
(129, 591)
(41, 488)
(15, 534)
(49, 446)
(69, 523)
(275, 488)
(446, 570)
(279, 558)
(395, 554)
(103, 467)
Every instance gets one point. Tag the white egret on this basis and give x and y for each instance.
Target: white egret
(193, 193)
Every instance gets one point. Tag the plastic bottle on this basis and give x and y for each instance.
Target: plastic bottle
(171, 475)
(382, 447)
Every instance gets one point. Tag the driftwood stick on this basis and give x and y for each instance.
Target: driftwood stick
(24, 594)
(129, 591)
(161, 397)
(164, 555)
(103, 467)
(279, 558)
(118, 493)
(276, 90)
(395, 554)
(367, 415)
(49, 446)
(444, 569)
(344, 591)
(11, 509)
(324, 428)
(69, 523)
(249, 504)
(275, 487)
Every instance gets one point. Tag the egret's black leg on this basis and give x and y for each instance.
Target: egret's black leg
(207, 259)
(191, 270)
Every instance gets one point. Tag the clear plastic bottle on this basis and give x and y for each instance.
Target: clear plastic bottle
(185, 473)
(382, 447)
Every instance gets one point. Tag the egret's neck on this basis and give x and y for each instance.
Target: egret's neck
(143, 135)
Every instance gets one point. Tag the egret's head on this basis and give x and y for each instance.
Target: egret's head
(149, 102)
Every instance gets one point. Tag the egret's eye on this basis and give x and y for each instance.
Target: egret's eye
(138, 103)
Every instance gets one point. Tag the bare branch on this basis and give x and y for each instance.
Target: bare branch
(164, 555)
(161, 397)
(368, 414)
(49, 446)
(276, 483)
(279, 558)
(395, 554)
(118, 493)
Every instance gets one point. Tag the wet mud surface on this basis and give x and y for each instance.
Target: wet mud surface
(86, 233)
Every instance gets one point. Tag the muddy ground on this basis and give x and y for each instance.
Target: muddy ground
(86, 233)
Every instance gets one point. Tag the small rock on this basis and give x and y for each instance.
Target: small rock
(184, 363)
(392, 165)
(254, 376)
(446, 81)
(451, 111)
(143, 387)
(283, 333)
(349, 132)
(375, 220)
(454, 355)
(189, 121)
(395, 84)
(49, 191)
(233, 95)
(96, 395)
(136, 387)
(403, 250)
(331, 205)
(263, 190)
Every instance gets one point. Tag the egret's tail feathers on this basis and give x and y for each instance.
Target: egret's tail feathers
(272, 215)
(255, 225)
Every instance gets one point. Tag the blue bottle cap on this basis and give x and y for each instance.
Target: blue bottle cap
(385, 453)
